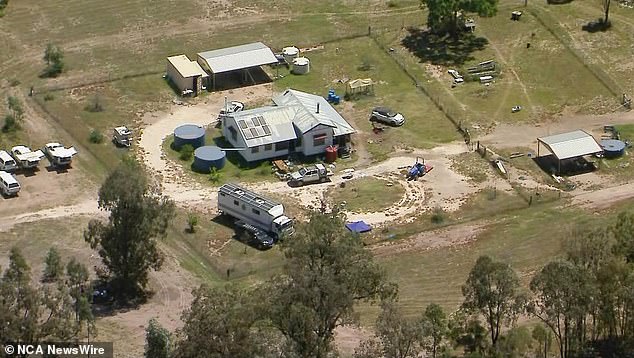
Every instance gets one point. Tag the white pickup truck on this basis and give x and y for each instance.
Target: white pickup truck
(26, 158)
(58, 155)
(317, 173)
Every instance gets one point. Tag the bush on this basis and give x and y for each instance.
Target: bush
(95, 105)
(192, 222)
(14, 82)
(10, 124)
(438, 216)
(264, 169)
(187, 152)
(49, 97)
(392, 3)
(96, 136)
(214, 175)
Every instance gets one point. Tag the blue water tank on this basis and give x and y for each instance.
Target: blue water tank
(191, 134)
(613, 148)
(208, 157)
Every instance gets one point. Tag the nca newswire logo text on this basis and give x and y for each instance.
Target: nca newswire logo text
(97, 350)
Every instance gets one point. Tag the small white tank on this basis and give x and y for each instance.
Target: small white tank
(301, 66)
(290, 53)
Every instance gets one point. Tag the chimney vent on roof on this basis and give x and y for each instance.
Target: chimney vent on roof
(317, 107)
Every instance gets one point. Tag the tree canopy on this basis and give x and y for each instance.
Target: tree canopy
(127, 243)
(444, 15)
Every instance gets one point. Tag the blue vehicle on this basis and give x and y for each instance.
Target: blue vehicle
(419, 169)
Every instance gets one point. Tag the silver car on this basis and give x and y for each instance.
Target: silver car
(387, 116)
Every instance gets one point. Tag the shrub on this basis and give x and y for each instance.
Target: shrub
(14, 82)
(49, 97)
(192, 222)
(438, 216)
(187, 152)
(214, 175)
(392, 3)
(96, 136)
(264, 169)
(10, 124)
(95, 105)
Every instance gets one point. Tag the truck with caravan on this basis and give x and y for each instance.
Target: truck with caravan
(262, 218)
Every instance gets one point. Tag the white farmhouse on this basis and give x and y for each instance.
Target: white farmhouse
(299, 122)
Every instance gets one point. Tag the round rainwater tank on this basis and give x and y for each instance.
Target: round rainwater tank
(208, 157)
(191, 134)
(612, 148)
(301, 66)
(290, 53)
(331, 153)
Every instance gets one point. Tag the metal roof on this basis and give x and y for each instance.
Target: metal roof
(238, 57)
(572, 144)
(307, 117)
(186, 67)
(238, 192)
(266, 125)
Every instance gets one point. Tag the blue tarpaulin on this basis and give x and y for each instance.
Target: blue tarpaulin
(358, 226)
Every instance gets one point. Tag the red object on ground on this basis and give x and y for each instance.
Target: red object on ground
(331, 153)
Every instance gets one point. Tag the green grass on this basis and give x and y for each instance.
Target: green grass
(362, 195)
(235, 169)
(426, 126)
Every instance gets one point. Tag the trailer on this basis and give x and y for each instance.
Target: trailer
(25, 158)
(58, 155)
(254, 211)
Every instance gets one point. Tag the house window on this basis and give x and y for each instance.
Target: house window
(281, 146)
(234, 133)
(236, 203)
(268, 147)
(255, 149)
(319, 140)
(256, 211)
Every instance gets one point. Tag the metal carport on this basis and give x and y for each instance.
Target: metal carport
(569, 145)
(242, 57)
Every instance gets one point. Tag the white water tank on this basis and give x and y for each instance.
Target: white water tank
(301, 66)
(290, 53)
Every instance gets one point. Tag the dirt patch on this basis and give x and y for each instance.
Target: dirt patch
(157, 126)
(429, 240)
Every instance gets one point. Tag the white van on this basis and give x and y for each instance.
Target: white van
(9, 186)
(7, 163)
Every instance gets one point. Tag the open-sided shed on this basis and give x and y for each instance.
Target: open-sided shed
(569, 145)
(237, 58)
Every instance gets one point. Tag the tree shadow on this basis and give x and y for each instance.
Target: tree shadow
(557, 2)
(443, 49)
(596, 26)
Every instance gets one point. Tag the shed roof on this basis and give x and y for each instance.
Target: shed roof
(572, 144)
(186, 67)
(307, 117)
(238, 57)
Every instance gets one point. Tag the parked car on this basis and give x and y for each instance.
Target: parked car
(387, 116)
(9, 186)
(457, 78)
(122, 136)
(232, 107)
(58, 155)
(317, 173)
(26, 158)
(7, 163)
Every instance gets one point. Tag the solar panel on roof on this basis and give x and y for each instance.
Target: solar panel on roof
(242, 124)
(254, 132)
(256, 121)
(266, 129)
(262, 121)
(260, 131)
(248, 135)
